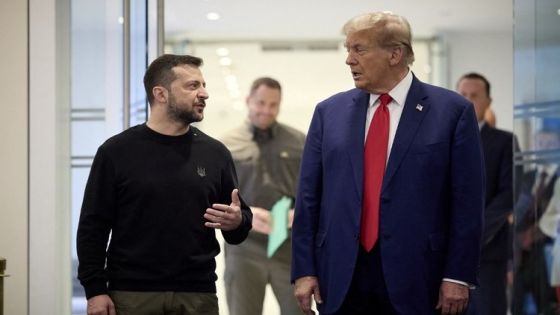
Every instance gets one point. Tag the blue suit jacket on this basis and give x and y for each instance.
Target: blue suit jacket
(432, 198)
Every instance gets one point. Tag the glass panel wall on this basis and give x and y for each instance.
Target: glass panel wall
(536, 259)
(110, 49)
(96, 98)
(138, 61)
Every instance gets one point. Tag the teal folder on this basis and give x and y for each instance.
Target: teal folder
(279, 230)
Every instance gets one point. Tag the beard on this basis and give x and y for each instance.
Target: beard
(181, 114)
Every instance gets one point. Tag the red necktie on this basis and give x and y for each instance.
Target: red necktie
(375, 157)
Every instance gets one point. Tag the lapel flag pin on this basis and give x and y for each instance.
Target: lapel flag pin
(419, 107)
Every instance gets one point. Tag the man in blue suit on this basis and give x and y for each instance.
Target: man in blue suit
(490, 297)
(388, 215)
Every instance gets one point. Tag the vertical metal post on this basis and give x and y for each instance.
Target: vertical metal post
(2, 275)
(126, 64)
(160, 27)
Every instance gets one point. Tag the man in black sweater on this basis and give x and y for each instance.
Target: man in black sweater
(159, 190)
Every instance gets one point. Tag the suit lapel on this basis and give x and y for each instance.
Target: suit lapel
(410, 120)
(356, 131)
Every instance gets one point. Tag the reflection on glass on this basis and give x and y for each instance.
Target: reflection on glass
(536, 222)
(536, 259)
(98, 88)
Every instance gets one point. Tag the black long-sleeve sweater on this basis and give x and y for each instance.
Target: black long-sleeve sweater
(149, 192)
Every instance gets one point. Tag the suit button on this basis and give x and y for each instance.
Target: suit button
(386, 236)
(356, 236)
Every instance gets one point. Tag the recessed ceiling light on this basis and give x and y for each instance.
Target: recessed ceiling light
(225, 61)
(121, 20)
(222, 51)
(230, 79)
(213, 16)
(558, 12)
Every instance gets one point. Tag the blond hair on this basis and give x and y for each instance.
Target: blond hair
(392, 31)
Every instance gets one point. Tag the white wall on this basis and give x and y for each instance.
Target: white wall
(33, 195)
(491, 54)
(14, 154)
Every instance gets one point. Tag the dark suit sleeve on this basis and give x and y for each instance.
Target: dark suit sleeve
(467, 200)
(500, 206)
(308, 202)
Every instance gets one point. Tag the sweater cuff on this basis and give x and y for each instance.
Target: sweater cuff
(94, 288)
(238, 235)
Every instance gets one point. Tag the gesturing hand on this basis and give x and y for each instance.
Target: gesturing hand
(225, 217)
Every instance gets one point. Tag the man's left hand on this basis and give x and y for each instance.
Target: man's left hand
(225, 217)
(290, 218)
(453, 298)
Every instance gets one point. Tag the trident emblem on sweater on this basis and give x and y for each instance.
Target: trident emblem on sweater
(201, 171)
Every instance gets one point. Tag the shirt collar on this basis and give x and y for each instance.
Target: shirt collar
(268, 133)
(481, 124)
(398, 93)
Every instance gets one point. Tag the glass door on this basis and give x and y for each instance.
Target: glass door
(112, 43)
(536, 245)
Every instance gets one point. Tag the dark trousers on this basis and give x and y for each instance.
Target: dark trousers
(164, 303)
(368, 293)
(490, 296)
(531, 278)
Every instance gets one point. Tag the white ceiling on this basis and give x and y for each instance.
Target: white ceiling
(316, 19)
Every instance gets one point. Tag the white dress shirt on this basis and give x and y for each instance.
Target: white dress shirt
(395, 107)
